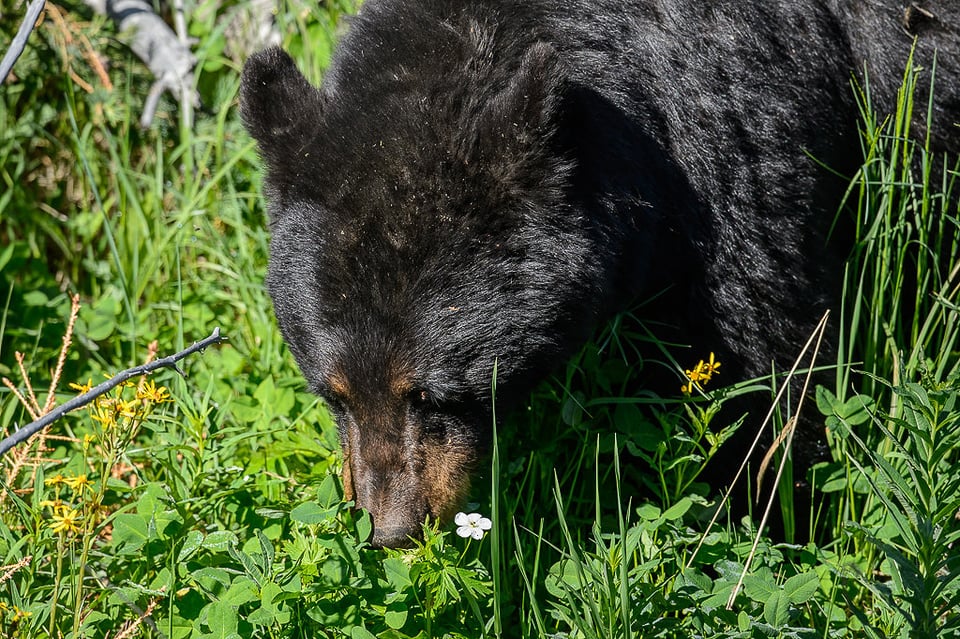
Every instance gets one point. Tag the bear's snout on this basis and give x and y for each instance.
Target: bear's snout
(402, 475)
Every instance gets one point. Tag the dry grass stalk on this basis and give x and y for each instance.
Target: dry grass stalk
(31, 453)
(814, 339)
(130, 627)
(11, 569)
(67, 33)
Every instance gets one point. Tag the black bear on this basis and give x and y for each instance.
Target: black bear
(481, 181)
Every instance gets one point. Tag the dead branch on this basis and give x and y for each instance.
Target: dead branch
(80, 401)
(20, 40)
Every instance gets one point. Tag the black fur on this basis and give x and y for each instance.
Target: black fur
(481, 180)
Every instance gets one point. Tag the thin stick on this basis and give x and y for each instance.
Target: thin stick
(20, 40)
(783, 462)
(756, 440)
(30, 429)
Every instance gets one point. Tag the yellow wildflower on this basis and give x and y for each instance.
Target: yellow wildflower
(56, 480)
(128, 409)
(103, 412)
(150, 392)
(702, 373)
(19, 614)
(710, 368)
(78, 484)
(66, 521)
(82, 388)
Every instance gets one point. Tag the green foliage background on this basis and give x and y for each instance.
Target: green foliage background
(220, 512)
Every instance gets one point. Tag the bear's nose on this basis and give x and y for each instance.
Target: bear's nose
(388, 536)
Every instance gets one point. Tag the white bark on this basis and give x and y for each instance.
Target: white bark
(168, 57)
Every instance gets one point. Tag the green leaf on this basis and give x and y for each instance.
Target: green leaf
(211, 578)
(743, 621)
(336, 571)
(397, 572)
(760, 586)
(359, 632)
(221, 619)
(269, 593)
(329, 493)
(241, 591)
(396, 615)
(827, 402)
(678, 510)
(263, 616)
(191, 543)
(800, 588)
(250, 566)
(312, 513)
(130, 532)
(776, 611)
(364, 524)
(266, 547)
(219, 540)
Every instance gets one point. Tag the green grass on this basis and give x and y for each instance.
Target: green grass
(221, 512)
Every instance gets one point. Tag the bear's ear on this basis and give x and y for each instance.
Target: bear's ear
(530, 100)
(524, 110)
(275, 99)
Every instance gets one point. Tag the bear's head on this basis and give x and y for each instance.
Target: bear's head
(422, 233)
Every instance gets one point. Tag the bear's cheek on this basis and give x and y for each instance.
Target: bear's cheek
(445, 477)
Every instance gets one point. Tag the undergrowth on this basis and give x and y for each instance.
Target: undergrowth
(210, 506)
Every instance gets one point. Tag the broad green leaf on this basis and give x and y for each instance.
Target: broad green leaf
(800, 588)
(221, 619)
(191, 544)
(329, 493)
(776, 611)
(130, 532)
(312, 513)
(364, 525)
(397, 572)
(359, 632)
(219, 540)
(760, 587)
(678, 510)
(396, 615)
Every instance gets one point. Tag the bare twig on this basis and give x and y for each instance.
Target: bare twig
(27, 431)
(20, 40)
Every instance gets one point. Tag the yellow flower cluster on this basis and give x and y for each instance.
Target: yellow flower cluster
(109, 411)
(701, 374)
(77, 484)
(77, 506)
(66, 519)
(17, 615)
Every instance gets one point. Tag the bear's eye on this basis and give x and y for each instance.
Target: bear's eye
(419, 398)
(434, 428)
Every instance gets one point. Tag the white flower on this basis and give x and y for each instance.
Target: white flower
(472, 525)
